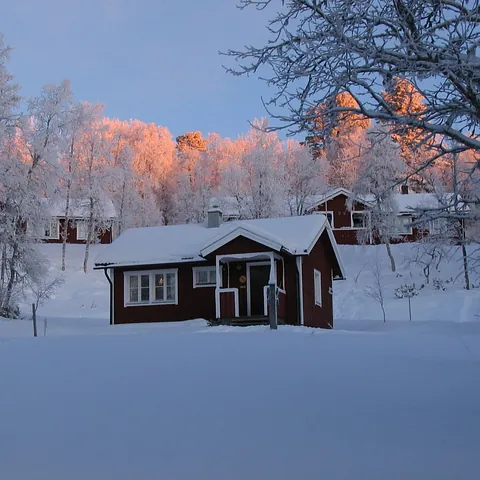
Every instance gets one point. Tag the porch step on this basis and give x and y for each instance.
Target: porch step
(244, 321)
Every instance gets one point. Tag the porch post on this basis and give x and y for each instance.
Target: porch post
(217, 286)
(272, 295)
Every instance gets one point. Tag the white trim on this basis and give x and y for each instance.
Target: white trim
(317, 288)
(151, 285)
(326, 212)
(265, 300)
(218, 292)
(239, 232)
(249, 290)
(207, 268)
(284, 289)
(299, 261)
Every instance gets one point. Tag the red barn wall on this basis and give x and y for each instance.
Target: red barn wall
(105, 236)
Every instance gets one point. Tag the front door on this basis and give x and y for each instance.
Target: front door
(258, 278)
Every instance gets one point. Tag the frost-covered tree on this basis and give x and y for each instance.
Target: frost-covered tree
(304, 176)
(28, 173)
(94, 172)
(256, 180)
(79, 119)
(317, 49)
(406, 100)
(381, 167)
(339, 142)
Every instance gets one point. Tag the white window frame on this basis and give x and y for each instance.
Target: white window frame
(410, 231)
(196, 270)
(77, 224)
(365, 217)
(56, 230)
(151, 286)
(317, 287)
(333, 217)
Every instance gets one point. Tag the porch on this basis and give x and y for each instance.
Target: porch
(242, 292)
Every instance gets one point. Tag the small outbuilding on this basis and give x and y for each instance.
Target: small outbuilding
(221, 271)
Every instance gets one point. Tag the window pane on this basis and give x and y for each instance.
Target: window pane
(358, 220)
(159, 284)
(170, 279)
(170, 293)
(133, 287)
(133, 295)
(213, 277)
(171, 285)
(202, 276)
(145, 288)
(133, 281)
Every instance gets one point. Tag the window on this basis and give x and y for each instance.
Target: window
(403, 225)
(51, 229)
(145, 288)
(82, 230)
(204, 277)
(317, 285)
(359, 220)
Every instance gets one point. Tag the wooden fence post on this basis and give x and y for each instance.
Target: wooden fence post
(34, 319)
(272, 306)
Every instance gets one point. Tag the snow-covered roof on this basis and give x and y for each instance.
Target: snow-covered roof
(407, 202)
(193, 242)
(79, 207)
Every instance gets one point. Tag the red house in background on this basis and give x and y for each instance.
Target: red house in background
(346, 223)
(220, 271)
(77, 228)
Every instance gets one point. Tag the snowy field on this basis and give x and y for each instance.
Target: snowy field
(187, 401)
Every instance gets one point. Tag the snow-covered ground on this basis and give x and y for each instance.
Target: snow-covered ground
(180, 401)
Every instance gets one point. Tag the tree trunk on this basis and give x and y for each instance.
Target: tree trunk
(390, 256)
(465, 267)
(11, 280)
(89, 237)
(383, 311)
(66, 221)
(410, 308)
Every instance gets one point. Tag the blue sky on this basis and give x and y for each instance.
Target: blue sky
(154, 60)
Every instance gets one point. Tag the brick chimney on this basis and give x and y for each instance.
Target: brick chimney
(404, 189)
(214, 217)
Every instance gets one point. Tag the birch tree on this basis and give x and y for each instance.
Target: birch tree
(381, 166)
(304, 176)
(256, 181)
(79, 119)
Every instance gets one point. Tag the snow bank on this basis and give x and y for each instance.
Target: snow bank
(455, 304)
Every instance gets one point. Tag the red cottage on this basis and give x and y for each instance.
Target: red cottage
(346, 223)
(77, 227)
(221, 270)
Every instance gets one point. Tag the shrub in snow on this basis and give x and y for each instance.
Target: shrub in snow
(439, 284)
(407, 291)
